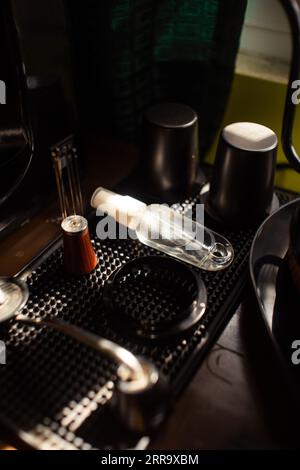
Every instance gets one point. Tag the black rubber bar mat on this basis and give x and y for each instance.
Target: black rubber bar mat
(55, 392)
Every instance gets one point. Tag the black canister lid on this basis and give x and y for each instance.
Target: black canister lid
(250, 137)
(171, 115)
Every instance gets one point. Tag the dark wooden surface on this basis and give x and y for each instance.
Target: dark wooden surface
(236, 399)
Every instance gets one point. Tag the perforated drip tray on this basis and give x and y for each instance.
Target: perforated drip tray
(55, 392)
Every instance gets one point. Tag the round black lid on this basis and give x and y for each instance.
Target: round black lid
(171, 115)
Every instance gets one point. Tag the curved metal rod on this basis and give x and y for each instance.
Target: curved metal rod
(119, 354)
(292, 10)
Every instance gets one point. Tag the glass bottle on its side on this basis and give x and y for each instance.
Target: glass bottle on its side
(166, 230)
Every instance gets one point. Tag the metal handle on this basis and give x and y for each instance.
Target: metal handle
(119, 354)
(291, 8)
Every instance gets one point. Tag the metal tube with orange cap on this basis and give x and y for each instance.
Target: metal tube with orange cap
(79, 254)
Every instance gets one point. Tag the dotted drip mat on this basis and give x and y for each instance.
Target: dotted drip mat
(55, 392)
